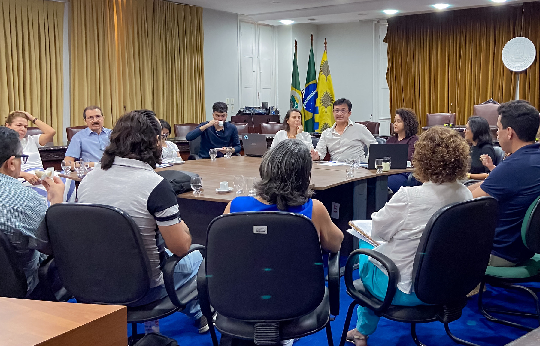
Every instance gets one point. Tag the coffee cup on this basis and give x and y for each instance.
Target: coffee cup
(220, 123)
(224, 185)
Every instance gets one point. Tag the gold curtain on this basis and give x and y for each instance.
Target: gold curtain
(448, 62)
(31, 34)
(150, 56)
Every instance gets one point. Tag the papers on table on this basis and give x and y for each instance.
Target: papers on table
(361, 229)
(333, 163)
(163, 165)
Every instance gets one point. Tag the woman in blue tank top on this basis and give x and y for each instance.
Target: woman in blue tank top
(285, 176)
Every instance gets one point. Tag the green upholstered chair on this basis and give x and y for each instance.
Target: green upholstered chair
(511, 277)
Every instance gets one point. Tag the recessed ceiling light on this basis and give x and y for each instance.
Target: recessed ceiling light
(286, 22)
(441, 6)
(390, 11)
(498, 1)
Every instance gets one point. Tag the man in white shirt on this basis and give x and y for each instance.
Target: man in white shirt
(345, 139)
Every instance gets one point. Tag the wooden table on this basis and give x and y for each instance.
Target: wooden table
(32, 322)
(350, 198)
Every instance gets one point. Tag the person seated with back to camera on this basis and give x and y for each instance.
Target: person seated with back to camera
(216, 133)
(345, 140)
(130, 160)
(440, 160)
(405, 130)
(169, 150)
(292, 129)
(478, 135)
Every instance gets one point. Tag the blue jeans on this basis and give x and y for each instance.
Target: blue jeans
(186, 269)
(376, 282)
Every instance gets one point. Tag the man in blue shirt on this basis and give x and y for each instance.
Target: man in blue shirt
(216, 133)
(89, 143)
(22, 210)
(515, 182)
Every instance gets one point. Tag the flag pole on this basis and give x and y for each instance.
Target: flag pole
(325, 44)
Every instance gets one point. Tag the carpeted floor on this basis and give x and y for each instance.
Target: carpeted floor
(472, 326)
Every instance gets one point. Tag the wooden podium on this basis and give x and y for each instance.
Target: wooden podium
(32, 322)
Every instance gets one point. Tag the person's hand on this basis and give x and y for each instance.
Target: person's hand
(315, 155)
(222, 149)
(299, 129)
(29, 177)
(55, 189)
(210, 123)
(30, 116)
(487, 161)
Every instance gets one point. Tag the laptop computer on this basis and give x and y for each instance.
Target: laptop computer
(254, 144)
(397, 152)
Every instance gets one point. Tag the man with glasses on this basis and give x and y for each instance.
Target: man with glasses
(22, 209)
(89, 144)
(345, 139)
(216, 133)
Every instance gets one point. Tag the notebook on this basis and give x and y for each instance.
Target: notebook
(254, 144)
(397, 152)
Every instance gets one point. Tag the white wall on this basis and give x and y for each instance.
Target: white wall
(220, 59)
(285, 54)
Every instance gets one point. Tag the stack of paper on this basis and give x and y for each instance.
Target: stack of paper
(361, 229)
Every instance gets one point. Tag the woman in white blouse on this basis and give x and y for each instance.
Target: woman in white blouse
(293, 129)
(169, 150)
(441, 158)
(18, 121)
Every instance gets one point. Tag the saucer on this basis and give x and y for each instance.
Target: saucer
(178, 162)
(218, 190)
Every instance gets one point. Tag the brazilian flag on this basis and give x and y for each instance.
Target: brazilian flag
(296, 94)
(310, 95)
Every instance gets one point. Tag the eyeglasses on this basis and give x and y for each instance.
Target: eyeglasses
(24, 158)
(341, 111)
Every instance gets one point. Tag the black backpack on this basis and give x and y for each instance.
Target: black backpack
(180, 180)
(154, 339)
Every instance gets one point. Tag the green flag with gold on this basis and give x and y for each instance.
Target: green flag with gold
(296, 94)
(325, 100)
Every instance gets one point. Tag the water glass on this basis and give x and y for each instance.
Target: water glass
(213, 154)
(250, 187)
(387, 162)
(80, 169)
(239, 184)
(379, 165)
(349, 172)
(196, 185)
(228, 152)
(66, 167)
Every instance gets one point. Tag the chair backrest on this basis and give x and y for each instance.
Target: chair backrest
(530, 228)
(264, 266)
(441, 118)
(271, 128)
(242, 127)
(488, 111)
(181, 130)
(372, 126)
(194, 146)
(499, 155)
(454, 250)
(71, 131)
(99, 253)
(13, 281)
(33, 131)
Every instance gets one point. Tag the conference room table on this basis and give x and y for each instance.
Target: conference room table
(346, 198)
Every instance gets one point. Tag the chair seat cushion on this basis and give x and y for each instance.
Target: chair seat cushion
(163, 307)
(527, 269)
(290, 329)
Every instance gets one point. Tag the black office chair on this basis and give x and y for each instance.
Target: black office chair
(264, 277)
(511, 277)
(194, 147)
(13, 283)
(450, 262)
(101, 259)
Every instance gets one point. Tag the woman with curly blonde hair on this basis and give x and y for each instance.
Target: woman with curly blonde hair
(441, 158)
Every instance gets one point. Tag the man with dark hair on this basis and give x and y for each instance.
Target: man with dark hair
(22, 209)
(89, 144)
(129, 160)
(515, 182)
(345, 139)
(216, 133)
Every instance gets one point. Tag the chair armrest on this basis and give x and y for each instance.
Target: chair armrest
(371, 302)
(168, 274)
(471, 182)
(333, 282)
